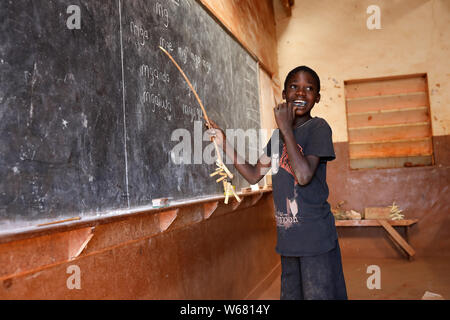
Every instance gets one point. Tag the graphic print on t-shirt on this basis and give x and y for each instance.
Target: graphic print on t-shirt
(288, 218)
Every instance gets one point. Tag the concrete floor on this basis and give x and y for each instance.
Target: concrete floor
(400, 279)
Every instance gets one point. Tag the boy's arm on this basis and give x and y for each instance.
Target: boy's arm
(304, 167)
(251, 173)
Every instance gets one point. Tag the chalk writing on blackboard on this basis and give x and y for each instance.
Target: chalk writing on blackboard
(162, 13)
(139, 33)
(87, 116)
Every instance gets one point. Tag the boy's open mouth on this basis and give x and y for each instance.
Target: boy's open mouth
(299, 103)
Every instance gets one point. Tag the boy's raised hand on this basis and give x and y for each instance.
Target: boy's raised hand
(215, 132)
(284, 116)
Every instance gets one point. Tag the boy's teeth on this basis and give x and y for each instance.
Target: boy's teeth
(300, 102)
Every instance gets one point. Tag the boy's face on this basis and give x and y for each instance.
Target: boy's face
(300, 88)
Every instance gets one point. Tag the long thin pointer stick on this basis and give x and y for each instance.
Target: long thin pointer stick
(189, 83)
(196, 96)
(219, 158)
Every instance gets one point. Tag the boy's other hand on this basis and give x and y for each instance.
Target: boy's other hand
(215, 133)
(284, 116)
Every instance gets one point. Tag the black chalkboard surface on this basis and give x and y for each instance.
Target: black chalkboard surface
(89, 114)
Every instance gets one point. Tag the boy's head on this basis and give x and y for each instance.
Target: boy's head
(302, 89)
(303, 69)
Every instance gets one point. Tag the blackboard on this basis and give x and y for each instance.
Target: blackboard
(87, 111)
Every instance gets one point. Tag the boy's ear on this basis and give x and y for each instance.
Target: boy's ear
(283, 95)
(318, 98)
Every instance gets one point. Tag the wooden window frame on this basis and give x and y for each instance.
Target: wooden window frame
(365, 150)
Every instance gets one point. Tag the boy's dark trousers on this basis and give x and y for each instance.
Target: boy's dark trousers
(313, 277)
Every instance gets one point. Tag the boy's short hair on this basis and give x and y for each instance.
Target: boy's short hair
(303, 69)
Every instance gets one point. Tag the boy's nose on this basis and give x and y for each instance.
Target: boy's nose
(301, 93)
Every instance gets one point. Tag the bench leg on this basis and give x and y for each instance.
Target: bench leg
(397, 238)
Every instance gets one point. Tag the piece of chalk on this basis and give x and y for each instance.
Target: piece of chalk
(236, 196)
(220, 179)
(161, 202)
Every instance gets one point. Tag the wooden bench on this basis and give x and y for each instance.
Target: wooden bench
(388, 225)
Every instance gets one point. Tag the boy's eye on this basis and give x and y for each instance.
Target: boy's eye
(309, 88)
(293, 86)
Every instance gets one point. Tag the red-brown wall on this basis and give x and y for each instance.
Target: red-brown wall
(422, 192)
(252, 22)
(227, 255)
(332, 37)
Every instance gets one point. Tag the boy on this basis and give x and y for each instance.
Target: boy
(307, 241)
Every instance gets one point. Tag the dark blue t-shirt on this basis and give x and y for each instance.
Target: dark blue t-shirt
(305, 224)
